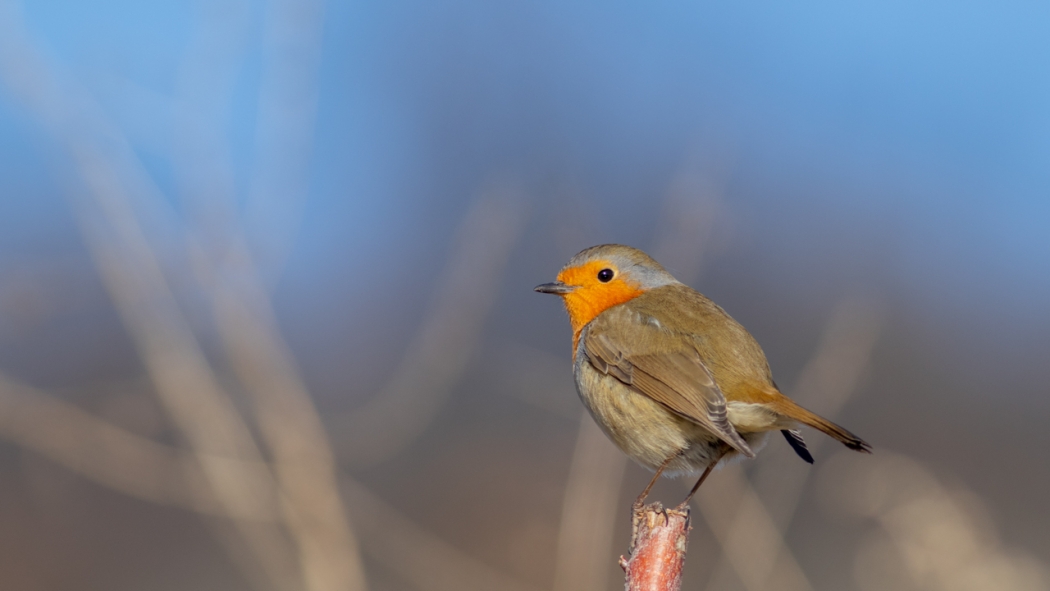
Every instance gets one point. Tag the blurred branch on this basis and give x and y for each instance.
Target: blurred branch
(585, 537)
(140, 467)
(310, 505)
(752, 546)
(694, 221)
(200, 149)
(182, 376)
(109, 455)
(304, 463)
(284, 129)
(284, 133)
(150, 471)
(928, 536)
(184, 380)
(534, 376)
(447, 339)
(422, 558)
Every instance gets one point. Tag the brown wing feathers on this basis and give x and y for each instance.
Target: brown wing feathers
(677, 379)
(674, 374)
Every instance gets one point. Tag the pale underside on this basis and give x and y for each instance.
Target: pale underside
(650, 432)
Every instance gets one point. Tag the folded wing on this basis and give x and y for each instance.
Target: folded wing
(662, 369)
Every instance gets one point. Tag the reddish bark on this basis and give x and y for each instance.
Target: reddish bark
(657, 551)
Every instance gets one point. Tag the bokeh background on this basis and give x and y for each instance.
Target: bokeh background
(266, 270)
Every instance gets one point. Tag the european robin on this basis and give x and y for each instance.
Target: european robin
(670, 377)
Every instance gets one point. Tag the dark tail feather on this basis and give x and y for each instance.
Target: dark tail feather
(794, 439)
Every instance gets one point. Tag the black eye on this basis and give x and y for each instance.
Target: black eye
(605, 275)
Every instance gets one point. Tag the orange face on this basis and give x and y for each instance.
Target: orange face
(592, 295)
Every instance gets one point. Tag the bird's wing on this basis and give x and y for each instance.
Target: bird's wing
(661, 368)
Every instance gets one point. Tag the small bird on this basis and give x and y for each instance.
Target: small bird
(668, 375)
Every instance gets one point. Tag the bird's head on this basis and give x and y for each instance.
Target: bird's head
(604, 276)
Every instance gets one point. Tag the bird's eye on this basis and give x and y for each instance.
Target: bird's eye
(605, 275)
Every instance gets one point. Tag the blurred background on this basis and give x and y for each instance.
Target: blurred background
(266, 270)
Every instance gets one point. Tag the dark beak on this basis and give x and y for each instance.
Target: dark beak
(557, 288)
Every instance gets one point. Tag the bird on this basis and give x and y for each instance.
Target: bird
(671, 378)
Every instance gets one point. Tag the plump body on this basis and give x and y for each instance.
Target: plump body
(645, 429)
(669, 376)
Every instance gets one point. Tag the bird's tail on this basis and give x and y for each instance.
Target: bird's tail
(787, 407)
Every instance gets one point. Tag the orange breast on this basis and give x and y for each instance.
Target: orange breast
(592, 297)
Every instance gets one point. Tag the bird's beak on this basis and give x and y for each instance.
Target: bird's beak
(557, 288)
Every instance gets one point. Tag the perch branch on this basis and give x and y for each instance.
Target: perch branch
(658, 544)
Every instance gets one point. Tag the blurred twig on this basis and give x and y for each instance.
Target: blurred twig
(425, 560)
(304, 464)
(305, 484)
(303, 461)
(182, 376)
(694, 221)
(929, 536)
(534, 376)
(588, 506)
(447, 339)
(111, 456)
(750, 540)
(284, 134)
(158, 473)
